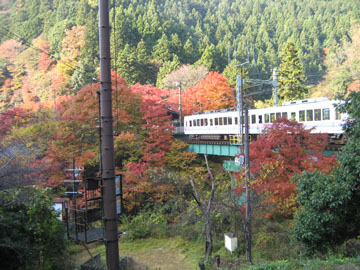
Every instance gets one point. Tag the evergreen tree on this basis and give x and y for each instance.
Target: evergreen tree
(144, 67)
(46, 13)
(56, 35)
(82, 12)
(230, 73)
(127, 65)
(161, 50)
(208, 58)
(85, 71)
(66, 9)
(176, 45)
(291, 75)
(167, 68)
(189, 51)
(81, 76)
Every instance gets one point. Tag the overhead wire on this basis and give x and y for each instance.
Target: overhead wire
(30, 45)
(114, 68)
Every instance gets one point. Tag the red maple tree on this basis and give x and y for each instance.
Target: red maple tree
(157, 124)
(11, 118)
(77, 117)
(286, 148)
(140, 185)
(212, 93)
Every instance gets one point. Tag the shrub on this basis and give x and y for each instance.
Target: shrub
(145, 224)
(352, 248)
(31, 235)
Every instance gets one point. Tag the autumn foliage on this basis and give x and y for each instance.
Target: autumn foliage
(77, 118)
(157, 136)
(211, 93)
(286, 148)
(11, 118)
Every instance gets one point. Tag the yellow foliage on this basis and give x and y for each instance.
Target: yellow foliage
(259, 104)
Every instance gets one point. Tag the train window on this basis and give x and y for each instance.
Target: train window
(253, 119)
(216, 121)
(260, 119)
(230, 120)
(272, 117)
(278, 115)
(293, 116)
(202, 122)
(317, 114)
(236, 120)
(198, 122)
(225, 120)
(211, 122)
(326, 114)
(284, 115)
(301, 116)
(309, 115)
(194, 121)
(205, 121)
(220, 121)
(337, 114)
(267, 118)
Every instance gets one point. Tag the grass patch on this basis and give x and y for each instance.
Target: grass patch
(167, 253)
(331, 263)
(176, 253)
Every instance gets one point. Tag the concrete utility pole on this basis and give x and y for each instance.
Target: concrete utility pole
(247, 190)
(107, 142)
(239, 104)
(244, 128)
(180, 108)
(240, 98)
(74, 196)
(275, 87)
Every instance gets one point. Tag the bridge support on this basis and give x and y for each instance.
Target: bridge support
(215, 149)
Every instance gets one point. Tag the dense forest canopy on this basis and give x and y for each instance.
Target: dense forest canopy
(152, 38)
(49, 111)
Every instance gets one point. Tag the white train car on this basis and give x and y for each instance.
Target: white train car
(318, 113)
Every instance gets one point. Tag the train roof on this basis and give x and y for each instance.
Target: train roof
(284, 105)
(304, 101)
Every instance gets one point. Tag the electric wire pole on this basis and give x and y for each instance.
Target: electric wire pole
(107, 142)
(244, 142)
(180, 109)
(275, 87)
(247, 189)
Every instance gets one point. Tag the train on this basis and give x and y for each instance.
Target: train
(318, 114)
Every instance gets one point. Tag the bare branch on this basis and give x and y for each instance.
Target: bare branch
(196, 195)
(208, 168)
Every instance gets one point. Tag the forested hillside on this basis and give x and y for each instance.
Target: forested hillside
(152, 38)
(303, 202)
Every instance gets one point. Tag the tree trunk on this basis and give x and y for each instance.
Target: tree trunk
(209, 242)
(247, 229)
(205, 210)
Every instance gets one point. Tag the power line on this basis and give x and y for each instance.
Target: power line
(30, 45)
